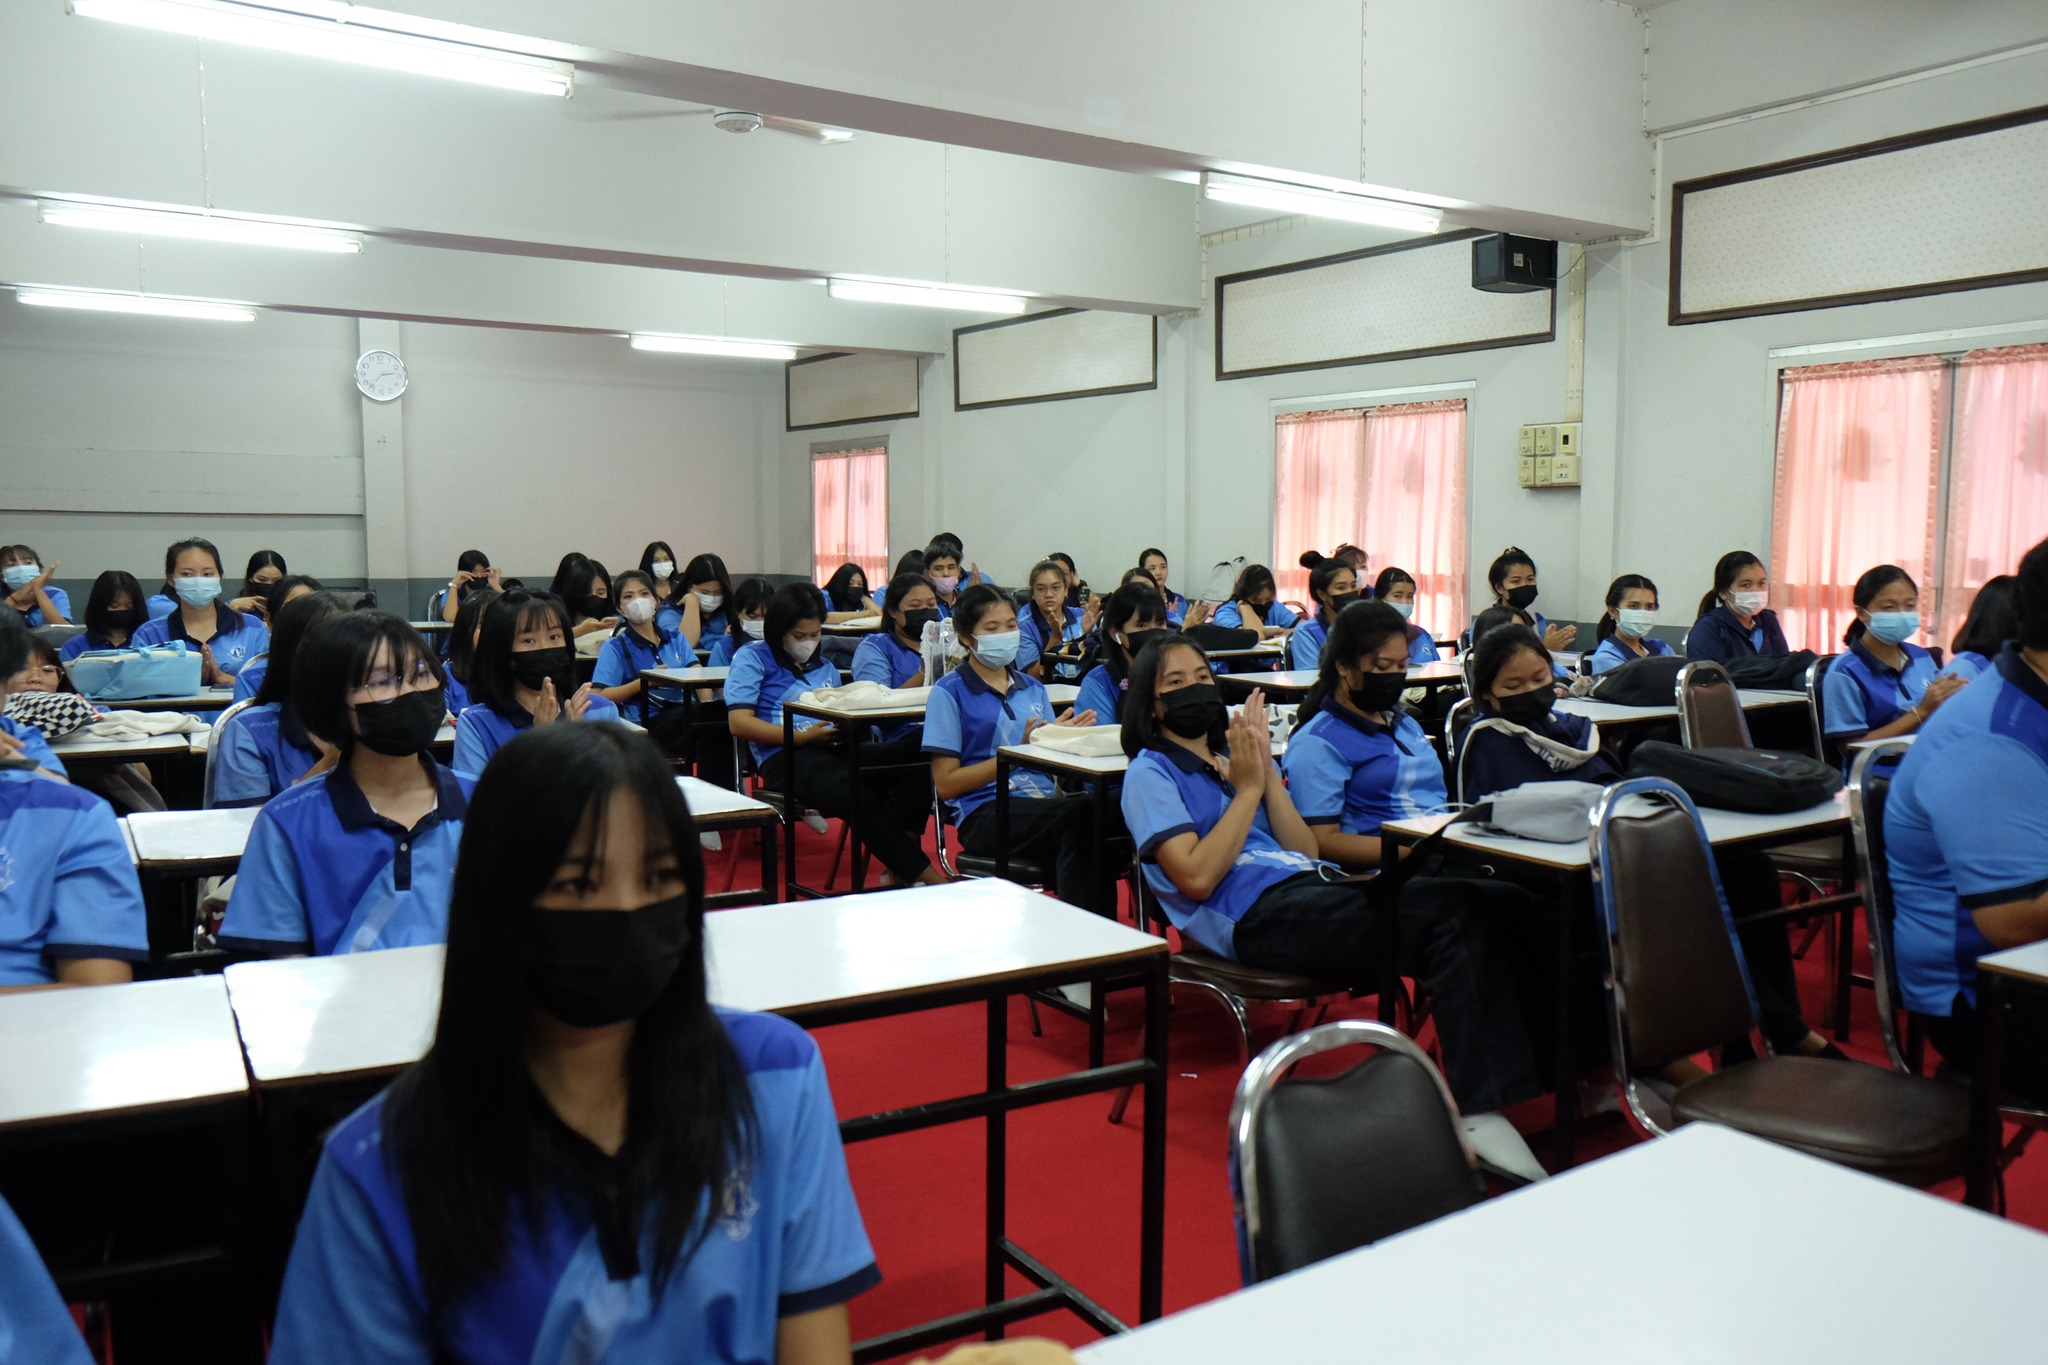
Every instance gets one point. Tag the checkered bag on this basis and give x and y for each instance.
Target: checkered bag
(56, 714)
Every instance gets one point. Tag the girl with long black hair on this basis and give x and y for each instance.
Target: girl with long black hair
(264, 748)
(524, 674)
(1134, 616)
(1254, 604)
(114, 611)
(1332, 586)
(1993, 619)
(706, 605)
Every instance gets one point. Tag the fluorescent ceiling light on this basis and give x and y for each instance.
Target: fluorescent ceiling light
(152, 305)
(327, 28)
(1315, 203)
(928, 296)
(196, 223)
(745, 350)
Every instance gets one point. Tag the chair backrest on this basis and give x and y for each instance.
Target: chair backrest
(1677, 982)
(1458, 723)
(220, 726)
(1710, 709)
(1816, 675)
(1870, 780)
(1321, 1165)
(57, 636)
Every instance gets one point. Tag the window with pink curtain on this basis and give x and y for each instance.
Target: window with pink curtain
(1389, 479)
(1998, 474)
(850, 513)
(1859, 463)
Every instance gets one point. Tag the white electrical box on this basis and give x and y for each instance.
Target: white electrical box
(1547, 455)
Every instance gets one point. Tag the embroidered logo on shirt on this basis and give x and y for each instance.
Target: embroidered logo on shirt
(6, 871)
(739, 1207)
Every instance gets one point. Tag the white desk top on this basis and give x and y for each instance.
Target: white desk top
(1294, 680)
(688, 677)
(707, 800)
(1723, 827)
(427, 626)
(1437, 670)
(1586, 1267)
(209, 699)
(1039, 756)
(74, 747)
(1276, 646)
(1607, 713)
(820, 710)
(859, 625)
(183, 836)
(2028, 962)
(1063, 694)
(100, 1050)
(1858, 745)
(304, 1018)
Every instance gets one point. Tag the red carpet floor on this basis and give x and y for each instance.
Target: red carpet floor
(1073, 1175)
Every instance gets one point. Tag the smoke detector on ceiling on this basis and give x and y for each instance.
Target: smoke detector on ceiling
(736, 120)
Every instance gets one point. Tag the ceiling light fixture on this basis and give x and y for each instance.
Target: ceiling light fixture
(1317, 203)
(744, 350)
(149, 305)
(200, 225)
(928, 296)
(335, 30)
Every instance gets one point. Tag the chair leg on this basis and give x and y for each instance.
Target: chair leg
(1037, 1028)
(1814, 929)
(837, 854)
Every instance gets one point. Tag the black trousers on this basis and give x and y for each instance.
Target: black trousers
(1751, 884)
(888, 812)
(2024, 1074)
(1057, 831)
(1450, 938)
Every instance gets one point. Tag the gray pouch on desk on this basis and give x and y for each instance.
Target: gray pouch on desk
(1554, 812)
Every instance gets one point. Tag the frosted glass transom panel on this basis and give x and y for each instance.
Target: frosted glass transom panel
(834, 389)
(1072, 353)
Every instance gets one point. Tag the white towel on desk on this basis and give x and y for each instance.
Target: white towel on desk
(869, 622)
(867, 696)
(1082, 741)
(131, 725)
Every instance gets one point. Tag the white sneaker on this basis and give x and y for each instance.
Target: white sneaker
(711, 841)
(816, 822)
(1498, 1145)
(1080, 993)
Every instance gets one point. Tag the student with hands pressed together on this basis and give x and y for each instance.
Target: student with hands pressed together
(524, 674)
(1051, 627)
(1512, 576)
(29, 590)
(225, 639)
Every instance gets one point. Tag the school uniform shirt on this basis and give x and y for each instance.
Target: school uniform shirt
(1611, 653)
(724, 647)
(1305, 646)
(237, 638)
(481, 731)
(324, 873)
(259, 752)
(1176, 607)
(1102, 694)
(758, 680)
(1034, 641)
(882, 658)
(160, 605)
(669, 617)
(1348, 770)
(1861, 692)
(250, 680)
(1169, 791)
(621, 659)
(789, 1240)
(1278, 616)
(1719, 636)
(1495, 761)
(83, 641)
(455, 693)
(1968, 665)
(1421, 646)
(59, 599)
(969, 720)
(1966, 826)
(35, 1324)
(67, 887)
(33, 745)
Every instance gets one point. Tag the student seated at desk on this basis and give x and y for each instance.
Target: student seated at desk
(1179, 611)
(113, 613)
(971, 573)
(1625, 626)
(583, 586)
(459, 653)
(361, 858)
(21, 742)
(265, 570)
(29, 591)
(983, 705)
(1520, 737)
(1240, 873)
(1966, 837)
(282, 593)
(1135, 615)
(524, 674)
(1512, 576)
(225, 639)
(846, 595)
(639, 645)
(1332, 586)
(889, 815)
(1396, 588)
(1050, 626)
(1994, 618)
(264, 748)
(1733, 622)
(706, 609)
(533, 1189)
(1884, 685)
(658, 562)
(472, 571)
(126, 786)
(750, 598)
(942, 567)
(894, 655)
(1252, 605)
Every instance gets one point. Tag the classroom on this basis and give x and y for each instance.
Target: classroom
(1004, 685)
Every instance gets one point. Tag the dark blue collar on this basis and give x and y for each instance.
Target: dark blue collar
(2019, 674)
(225, 622)
(1357, 720)
(975, 683)
(1875, 664)
(1185, 759)
(353, 809)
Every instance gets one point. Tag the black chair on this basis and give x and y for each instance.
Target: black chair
(1709, 708)
(1458, 724)
(57, 636)
(1678, 986)
(1825, 749)
(1321, 1165)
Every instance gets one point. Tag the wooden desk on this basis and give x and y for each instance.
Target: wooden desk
(714, 808)
(104, 1051)
(1585, 1267)
(2000, 977)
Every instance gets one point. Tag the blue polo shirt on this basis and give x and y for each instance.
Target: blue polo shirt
(33, 744)
(1278, 615)
(1612, 653)
(455, 693)
(882, 658)
(481, 731)
(1421, 646)
(1103, 695)
(789, 1240)
(1170, 790)
(250, 680)
(1346, 770)
(59, 599)
(1034, 642)
(84, 640)
(160, 605)
(1967, 665)
(67, 886)
(1966, 826)
(969, 720)
(1176, 608)
(237, 638)
(1719, 636)
(759, 681)
(725, 646)
(1305, 646)
(258, 753)
(1861, 692)
(621, 659)
(324, 873)
(35, 1325)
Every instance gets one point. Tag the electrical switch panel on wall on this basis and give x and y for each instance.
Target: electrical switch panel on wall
(1549, 455)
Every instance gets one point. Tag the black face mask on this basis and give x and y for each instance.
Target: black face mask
(914, 622)
(1379, 692)
(1527, 709)
(1194, 711)
(1341, 600)
(597, 608)
(591, 968)
(125, 620)
(1520, 598)
(404, 725)
(532, 667)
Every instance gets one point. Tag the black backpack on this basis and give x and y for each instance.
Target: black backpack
(1641, 682)
(1785, 673)
(1210, 638)
(1765, 781)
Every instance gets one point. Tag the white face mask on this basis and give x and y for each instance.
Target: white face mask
(754, 628)
(945, 583)
(661, 568)
(1748, 603)
(801, 650)
(710, 601)
(639, 610)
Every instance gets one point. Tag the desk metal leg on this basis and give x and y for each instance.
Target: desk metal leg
(1845, 942)
(1002, 815)
(997, 1159)
(1987, 1127)
(768, 870)
(1152, 1193)
(1566, 1099)
(791, 811)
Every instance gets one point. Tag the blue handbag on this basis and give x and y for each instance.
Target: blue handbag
(168, 670)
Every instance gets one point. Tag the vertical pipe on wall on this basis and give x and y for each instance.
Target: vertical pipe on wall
(387, 561)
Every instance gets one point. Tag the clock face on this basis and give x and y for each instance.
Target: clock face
(380, 375)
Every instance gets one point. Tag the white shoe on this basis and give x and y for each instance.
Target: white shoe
(887, 878)
(816, 822)
(711, 841)
(1498, 1145)
(1080, 993)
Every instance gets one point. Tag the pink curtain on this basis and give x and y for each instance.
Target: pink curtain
(1318, 490)
(1859, 460)
(850, 513)
(1998, 473)
(1415, 504)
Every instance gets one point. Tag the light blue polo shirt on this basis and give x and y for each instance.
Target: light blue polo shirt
(249, 681)
(969, 720)
(1967, 665)
(259, 753)
(760, 682)
(1176, 608)
(789, 1240)
(59, 599)
(35, 1326)
(1611, 653)
(882, 658)
(481, 731)
(1421, 646)
(1305, 646)
(324, 873)
(160, 605)
(1861, 692)
(67, 885)
(34, 744)
(1346, 770)
(1032, 643)
(1101, 694)
(1966, 826)
(1278, 616)
(237, 638)
(621, 659)
(81, 642)
(1170, 790)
